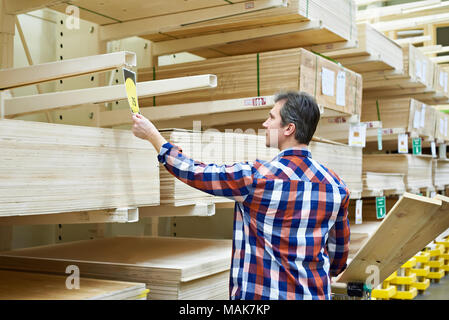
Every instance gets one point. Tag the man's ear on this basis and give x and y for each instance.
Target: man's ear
(290, 129)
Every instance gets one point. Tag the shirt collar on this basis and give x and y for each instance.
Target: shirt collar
(301, 152)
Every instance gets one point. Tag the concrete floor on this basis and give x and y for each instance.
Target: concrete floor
(436, 291)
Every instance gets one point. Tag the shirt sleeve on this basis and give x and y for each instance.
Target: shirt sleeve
(231, 181)
(338, 240)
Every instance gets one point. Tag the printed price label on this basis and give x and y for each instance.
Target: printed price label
(341, 88)
(402, 143)
(358, 211)
(327, 82)
(357, 135)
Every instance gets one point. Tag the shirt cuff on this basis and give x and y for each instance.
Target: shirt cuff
(166, 147)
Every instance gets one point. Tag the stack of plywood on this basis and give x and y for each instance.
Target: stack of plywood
(18, 285)
(377, 183)
(417, 169)
(441, 127)
(375, 52)
(440, 173)
(416, 78)
(301, 23)
(171, 268)
(51, 168)
(415, 117)
(333, 86)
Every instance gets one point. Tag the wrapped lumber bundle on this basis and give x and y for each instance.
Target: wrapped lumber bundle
(300, 23)
(378, 184)
(440, 81)
(171, 268)
(417, 169)
(264, 74)
(440, 173)
(441, 126)
(18, 285)
(375, 52)
(415, 80)
(53, 168)
(415, 117)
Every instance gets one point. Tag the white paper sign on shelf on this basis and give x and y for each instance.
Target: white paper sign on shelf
(433, 148)
(327, 82)
(418, 68)
(402, 143)
(441, 126)
(341, 88)
(357, 135)
(446, 76)
(445, 126)
(416, 119)
(423, 116)
(424, 70)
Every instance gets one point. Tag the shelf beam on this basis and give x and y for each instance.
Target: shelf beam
(56, 100)
(17, 77)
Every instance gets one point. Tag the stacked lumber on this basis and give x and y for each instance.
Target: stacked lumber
(51, 168)
(415, 80)
(360, 233)
(414, 116)
(375, 52)
(440, 173)
(171, 268)
(417, 169)
(18, 285)
(441, 127)
(301, 23)
(378, 184)
(333, 86)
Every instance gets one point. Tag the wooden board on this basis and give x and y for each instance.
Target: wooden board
(258, 74)
(52, 168)
(410, 225)
(375, 52)
(17, 285)
(417, 169)
(172, 268)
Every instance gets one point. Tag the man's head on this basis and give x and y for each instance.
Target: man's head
(292, 121)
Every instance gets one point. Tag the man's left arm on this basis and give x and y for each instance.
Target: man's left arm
(338, 240)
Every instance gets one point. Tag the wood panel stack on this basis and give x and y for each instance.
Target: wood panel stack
(440, 173)
(375, 52)
(333, 86)
(300, 23)
(414, 117)
(52, 168)
(380, 184)
(417, 169)
(18, 285)
(171, 268)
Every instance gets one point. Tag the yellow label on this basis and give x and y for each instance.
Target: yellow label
(131, 92)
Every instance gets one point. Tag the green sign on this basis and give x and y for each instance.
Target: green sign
(417, 146)
(381, 209)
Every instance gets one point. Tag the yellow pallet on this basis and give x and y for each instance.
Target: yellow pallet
(387, 291)
(436, 275)
(422, 286)
(435, 263)
(406, 295)
(404, 280)
(422, 257)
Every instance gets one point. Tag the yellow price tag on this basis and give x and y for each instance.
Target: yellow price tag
(131, 90)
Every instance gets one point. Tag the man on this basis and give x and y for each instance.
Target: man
(291, 230)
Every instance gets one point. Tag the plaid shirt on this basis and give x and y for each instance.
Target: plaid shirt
(291, 230)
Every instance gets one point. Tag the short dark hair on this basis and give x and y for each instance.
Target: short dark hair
(302, 110)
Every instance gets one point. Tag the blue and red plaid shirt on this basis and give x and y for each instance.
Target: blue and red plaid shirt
(291, 228)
